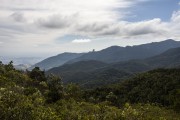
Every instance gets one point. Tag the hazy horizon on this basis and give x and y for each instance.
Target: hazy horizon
(54, 54)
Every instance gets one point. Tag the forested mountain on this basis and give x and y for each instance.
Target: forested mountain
(56, 61)
(170, 58)
(117, 53)
(88, 73)
(160, 86)
(110, 55)
(94, 73)
(31, 95)
(81, 66)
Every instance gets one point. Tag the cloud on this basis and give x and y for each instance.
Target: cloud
(81, 41)
(144, 27)
(175, 16)
(1, 44)
(25, 23)
(35, 45)
(81, 16)
(179, 3)
(122, 28)
(56, 21)
(18, 17)
(95, 27)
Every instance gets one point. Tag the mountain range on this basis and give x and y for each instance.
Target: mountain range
(117, 53)
(94, 73)
(56, 61)
(112, 54)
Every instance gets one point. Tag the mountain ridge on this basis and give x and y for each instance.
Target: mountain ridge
(118, 53)
(111, 54)
(56, 61)
(112, 73)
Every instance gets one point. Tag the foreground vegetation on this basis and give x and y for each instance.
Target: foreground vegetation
(160, 86)
(31, 95)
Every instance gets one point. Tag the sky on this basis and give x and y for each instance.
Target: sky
(41, 28)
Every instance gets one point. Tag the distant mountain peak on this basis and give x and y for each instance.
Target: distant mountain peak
(118, 53)
(57, 60)
(115, 47)
(170, 40)
(111, 54)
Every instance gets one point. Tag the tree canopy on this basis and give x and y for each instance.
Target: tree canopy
(33, 96)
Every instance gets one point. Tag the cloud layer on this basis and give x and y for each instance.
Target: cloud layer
(81, 41)
(35, 25)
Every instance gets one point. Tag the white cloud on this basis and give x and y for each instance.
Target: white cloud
(54, 22)
(35, 45)
(179, 3)
(25, 23)
(81, 41)
(153, 26)
(176, 16)
(18, 17)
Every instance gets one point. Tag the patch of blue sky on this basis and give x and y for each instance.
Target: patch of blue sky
(162, 9)
(69, 38)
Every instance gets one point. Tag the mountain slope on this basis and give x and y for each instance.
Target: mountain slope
(27, 97)
(110, 55)
(56, 61)
(88, 73)
(170, 58)
(84, 66)
(116, 53)
(93, 74)
(167, 59)
(156, 86)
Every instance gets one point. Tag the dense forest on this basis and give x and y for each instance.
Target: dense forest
(32, 95)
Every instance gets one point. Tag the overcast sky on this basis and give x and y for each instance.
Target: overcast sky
(49, 27)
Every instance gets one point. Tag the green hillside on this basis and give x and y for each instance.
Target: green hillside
(91, 74)
(160, 86)
(33, 96)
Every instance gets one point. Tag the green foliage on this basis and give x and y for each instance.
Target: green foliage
(55, 88)
(37, 74)
(16, 106)
(91, 73)
(159, 86)
(9, 66)
(25, 98)
(73, 91)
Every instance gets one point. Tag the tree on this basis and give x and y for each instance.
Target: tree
(37, 74)
(9, 66)
(111, 97)
(56, 89)
(73, 91)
